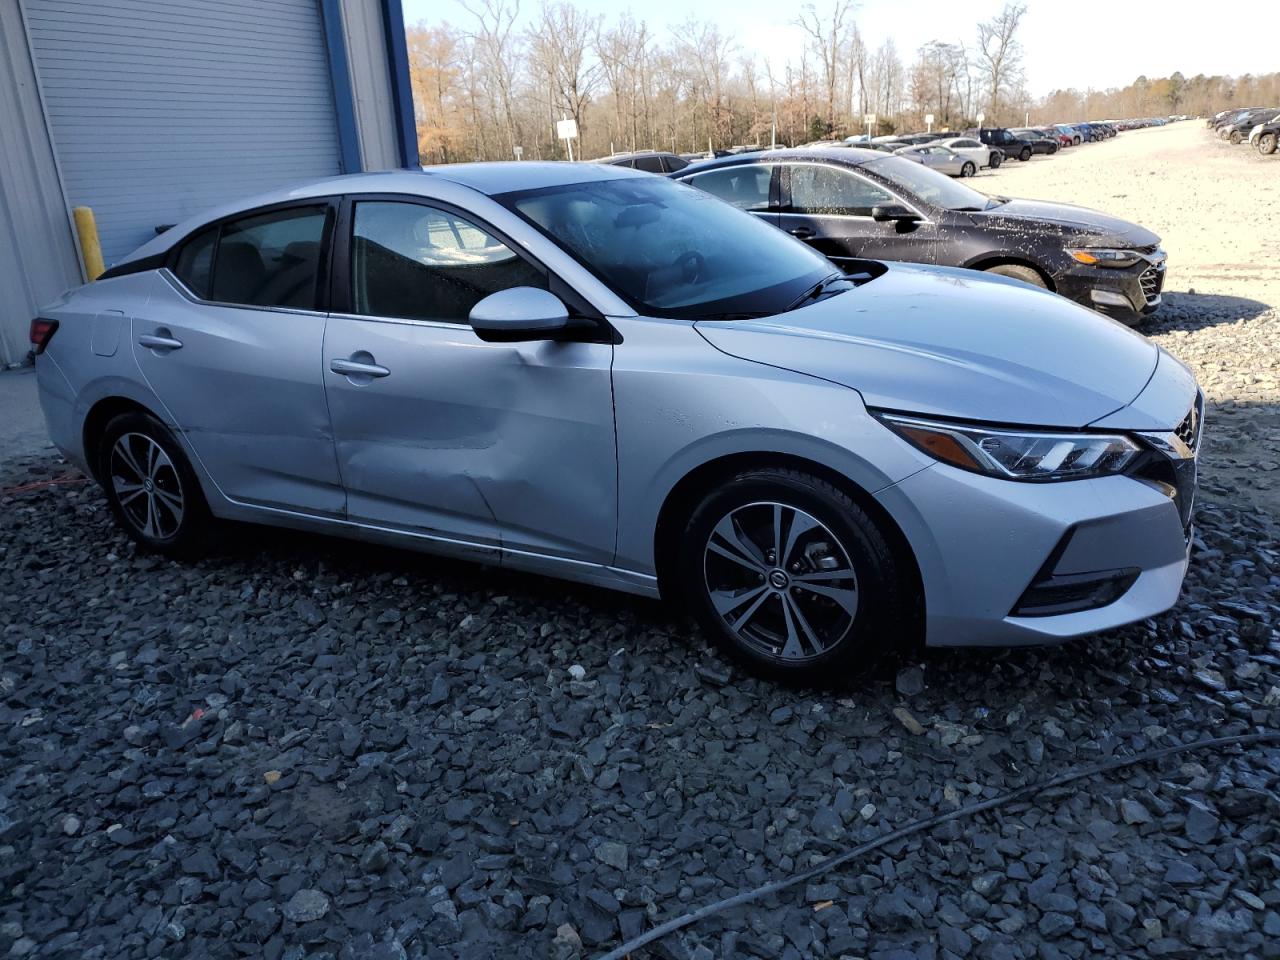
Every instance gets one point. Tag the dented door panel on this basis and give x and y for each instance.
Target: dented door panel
(507, 445)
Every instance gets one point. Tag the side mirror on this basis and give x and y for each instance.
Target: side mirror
(520, 314)
(893, 211)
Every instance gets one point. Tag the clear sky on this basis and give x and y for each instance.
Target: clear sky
(1067, 43)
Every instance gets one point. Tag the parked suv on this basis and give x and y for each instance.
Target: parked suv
(1265, 135)
(1011, 145)
(1040, 143)
(1240, 129)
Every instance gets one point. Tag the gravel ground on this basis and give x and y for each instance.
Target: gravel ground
(307, 748)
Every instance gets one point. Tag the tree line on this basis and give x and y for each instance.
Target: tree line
(490, 89)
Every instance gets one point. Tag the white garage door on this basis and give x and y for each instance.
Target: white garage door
(161, 108)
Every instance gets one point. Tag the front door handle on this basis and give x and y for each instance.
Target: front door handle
(162, 339)
(804, 233)
(356, 368)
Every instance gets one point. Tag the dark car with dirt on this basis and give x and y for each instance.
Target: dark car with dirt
(1008, 142)
(1040, 142)
(855, 205)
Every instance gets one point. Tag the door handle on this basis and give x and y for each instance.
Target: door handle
(803, 233)
(160, 340)
(354, 368)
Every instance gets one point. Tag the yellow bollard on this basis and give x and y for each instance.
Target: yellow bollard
(90, 248)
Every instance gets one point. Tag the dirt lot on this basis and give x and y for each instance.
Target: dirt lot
(1217, 209)
(302, 748)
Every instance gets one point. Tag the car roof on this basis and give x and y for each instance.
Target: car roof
(849, 156)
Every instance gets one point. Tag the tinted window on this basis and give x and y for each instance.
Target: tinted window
(649, 164)
(928, 185)
(421, 263)
(746, 187)
(820, 189)
(270, 260)
(965, 144)
(195, 262)
(675, 163)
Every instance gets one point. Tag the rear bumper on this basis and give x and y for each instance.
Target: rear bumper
(981, 542)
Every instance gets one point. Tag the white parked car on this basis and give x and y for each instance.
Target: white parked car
(974, 149)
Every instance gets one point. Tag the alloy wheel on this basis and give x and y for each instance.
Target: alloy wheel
(781, 580)
(146, 486)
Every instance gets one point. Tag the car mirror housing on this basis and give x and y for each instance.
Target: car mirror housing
(520, 314)
(893, 211)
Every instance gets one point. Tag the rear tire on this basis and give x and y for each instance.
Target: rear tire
(791, 577)
(151, 489)
(968, 170)
(1235, 138)
(1019, 272)
(1267, 144)
(997, 158)
(1025, 155)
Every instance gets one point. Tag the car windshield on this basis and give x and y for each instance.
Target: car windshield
(672, 250)
(929, 185)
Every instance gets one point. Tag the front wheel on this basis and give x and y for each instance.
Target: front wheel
(151, 489)
(968, 170)
(1235, 137)
(791, 577)
(1267, 144)
(1025, 155)
(1019, 272)
(997, 158)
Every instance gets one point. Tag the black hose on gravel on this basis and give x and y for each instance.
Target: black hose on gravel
(1031, 789)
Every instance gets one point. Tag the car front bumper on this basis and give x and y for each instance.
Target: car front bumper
(982, 542)
(1127, 294)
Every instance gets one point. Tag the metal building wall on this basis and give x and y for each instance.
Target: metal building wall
(38, 258)
(162, 108)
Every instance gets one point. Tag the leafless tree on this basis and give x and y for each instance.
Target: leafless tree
(826, 35)
(559, 44)
(497, 49)
(999, 51)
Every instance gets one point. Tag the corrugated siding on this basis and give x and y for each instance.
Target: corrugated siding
(161, 108)
(37, 251)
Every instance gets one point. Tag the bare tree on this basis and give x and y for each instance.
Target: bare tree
(999, 50)
(559, 44)
(497, 48)
(826, 36)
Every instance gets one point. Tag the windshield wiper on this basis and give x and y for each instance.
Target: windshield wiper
(817, 290)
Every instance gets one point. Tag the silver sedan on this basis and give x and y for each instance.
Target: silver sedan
(943, 159)
(605, 376)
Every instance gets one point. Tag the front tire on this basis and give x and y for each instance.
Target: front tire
(1019, 272)
(151, 489)
(968, 170)
(997, 158)
(1267, 144)
(1025, 155)
(791, 577)
(1235, 138)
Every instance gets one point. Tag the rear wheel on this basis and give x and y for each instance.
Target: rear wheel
(791, 577)
(1025, 155)
(997, 158)
(968, 170)
(1235, 137)
(1018, 272)
(151, 488)
(1267, 144)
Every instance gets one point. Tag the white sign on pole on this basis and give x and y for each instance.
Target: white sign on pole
(869, 119)
(566, 129)
(519, 152)
(928, 118)
(981, 117)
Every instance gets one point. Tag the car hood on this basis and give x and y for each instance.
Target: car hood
(1100, 228)
(955, 343)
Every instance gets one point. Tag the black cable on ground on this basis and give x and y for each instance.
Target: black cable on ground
(747, 896)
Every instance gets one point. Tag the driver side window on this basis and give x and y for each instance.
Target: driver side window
(820, 189)
(417, 262)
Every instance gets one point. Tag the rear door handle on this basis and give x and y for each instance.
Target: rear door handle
(161, 340)
(354, 368)
(802, 232)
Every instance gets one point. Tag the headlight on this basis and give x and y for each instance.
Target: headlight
(1099, 257)
(1017, 454)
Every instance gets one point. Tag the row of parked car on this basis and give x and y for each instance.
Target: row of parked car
(1257, 126)
(957, 155)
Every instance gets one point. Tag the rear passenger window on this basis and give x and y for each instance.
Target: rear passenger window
(649, 164)
(745, 186)
(421, 263)
(270, 260)
(195, 262)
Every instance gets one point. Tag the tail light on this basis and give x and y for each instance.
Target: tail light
(42, 332)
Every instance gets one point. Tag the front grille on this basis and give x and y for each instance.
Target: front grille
(1188, 430)
(1152, 281)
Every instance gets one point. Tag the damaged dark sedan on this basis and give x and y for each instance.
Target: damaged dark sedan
(853, 205)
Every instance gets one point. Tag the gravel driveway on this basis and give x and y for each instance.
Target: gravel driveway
(308, 748)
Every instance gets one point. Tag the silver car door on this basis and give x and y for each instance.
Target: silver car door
(441, 434)
(229, 342)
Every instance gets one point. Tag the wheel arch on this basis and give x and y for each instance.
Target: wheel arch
(99, 415)
(689, 491)
(987, 261)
